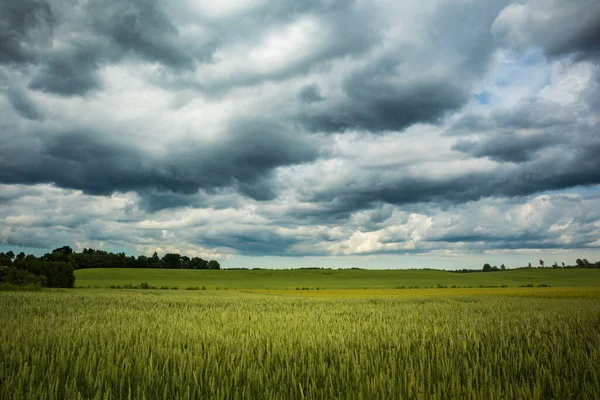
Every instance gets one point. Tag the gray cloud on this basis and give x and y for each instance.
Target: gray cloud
(26, 27)
(310, 94)
(22, 103)
(373, 103)
(401, 87)
(140, 27)
(106, 33)
(68, 72)
(518, 134)
(530, 113)
(298, 128)
(84, 160)
(559, 169)
(558, 27)
(508, 148)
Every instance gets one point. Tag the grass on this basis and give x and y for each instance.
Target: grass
(332, 279)
(529, 343)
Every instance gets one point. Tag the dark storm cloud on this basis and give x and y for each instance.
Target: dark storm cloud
(141, 27)
(155, 201)
(217, 199)
(529, 114)
(69, 72)
(375, 104)
(106, 32)
(591, 95)
(345, 32)
(507, 147)
(243, 158)
(258, 241)
(534, 113)
(559, 27)
(381, 97)
(26, 27)
(287, 8)
(538, 240)
(580, 165)
(310, 94)
(25, 238)
(22, 104)
(585, 43)
(580, 35)
(253, 146)
(518, 134)
(78, 159)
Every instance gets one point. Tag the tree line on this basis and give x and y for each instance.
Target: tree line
(51, 270)
(579, 263)
(56, 269)
(90, 258)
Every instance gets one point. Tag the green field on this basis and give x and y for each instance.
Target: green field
(153, 344)
(314, 334)
(332, 279)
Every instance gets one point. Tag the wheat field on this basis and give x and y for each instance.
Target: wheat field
(134, 344)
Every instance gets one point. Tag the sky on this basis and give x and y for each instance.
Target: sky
(317, 133)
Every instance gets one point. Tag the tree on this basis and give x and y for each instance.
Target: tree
(579, 263)
(214, 264)
(5, 260)
(185, 262)
(541, 263)
(198, 263)
(172, 260)
(503, 267)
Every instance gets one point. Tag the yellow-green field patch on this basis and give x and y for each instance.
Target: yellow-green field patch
(440, 344)
(551, 292)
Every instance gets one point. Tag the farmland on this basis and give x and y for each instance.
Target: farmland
(332, 279)
(339, 343)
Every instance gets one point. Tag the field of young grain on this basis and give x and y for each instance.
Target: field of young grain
(143, 344)
(331, 279)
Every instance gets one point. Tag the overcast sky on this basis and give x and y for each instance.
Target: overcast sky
(285, 133)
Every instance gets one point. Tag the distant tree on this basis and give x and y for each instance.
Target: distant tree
(185, 262)
(579, 263)
(10, 254)
(503, 267)
(142, 262)
(59, 254)
(172, 260)
(529, 265)
(214, 264)
(5, 260)
(541, 263)
(198, 263)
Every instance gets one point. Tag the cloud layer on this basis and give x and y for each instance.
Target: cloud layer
(321, 128)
